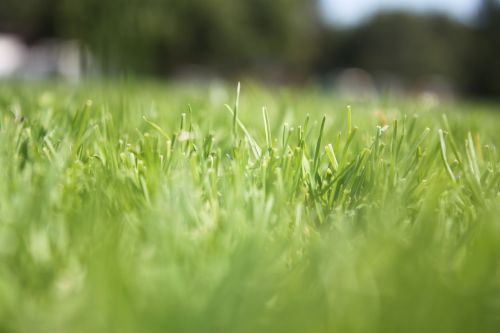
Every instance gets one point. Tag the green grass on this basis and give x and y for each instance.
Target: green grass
(141, 207)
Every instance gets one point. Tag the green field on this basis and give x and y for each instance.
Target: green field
(147, 207)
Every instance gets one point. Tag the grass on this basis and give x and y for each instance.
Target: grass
(141, 207)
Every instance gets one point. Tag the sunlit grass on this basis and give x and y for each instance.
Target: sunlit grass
(139, 207)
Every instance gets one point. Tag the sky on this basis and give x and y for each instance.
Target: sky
(350, 12)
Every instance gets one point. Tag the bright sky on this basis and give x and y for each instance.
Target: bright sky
(348, 12)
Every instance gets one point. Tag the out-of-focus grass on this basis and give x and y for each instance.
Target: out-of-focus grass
(139, 207)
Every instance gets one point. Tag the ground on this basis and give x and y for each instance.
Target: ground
(153, 207)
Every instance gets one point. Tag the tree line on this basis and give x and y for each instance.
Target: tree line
(286, 38)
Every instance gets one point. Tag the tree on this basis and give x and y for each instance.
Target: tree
(159, 35)
(484, 56)
(406, 44)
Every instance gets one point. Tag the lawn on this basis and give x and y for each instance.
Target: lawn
(151, 207)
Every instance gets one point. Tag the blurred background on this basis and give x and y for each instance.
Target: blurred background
(448, 48)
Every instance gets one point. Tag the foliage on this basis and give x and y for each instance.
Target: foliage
(483, 59)
(135, 207)
(163, 35)
(394, 43)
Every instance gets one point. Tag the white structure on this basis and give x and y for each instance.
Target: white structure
(12, 54)
(48, 58)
